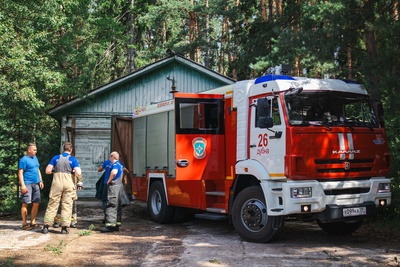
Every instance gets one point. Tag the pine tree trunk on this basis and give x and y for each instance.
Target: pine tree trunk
(131, 52)
(192, 28)
(207, 47)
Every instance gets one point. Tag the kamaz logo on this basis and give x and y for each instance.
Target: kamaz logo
(346, 147)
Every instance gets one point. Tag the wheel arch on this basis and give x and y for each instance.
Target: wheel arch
(251, 173)
(154, 177)
(248, 173)
(241, 182)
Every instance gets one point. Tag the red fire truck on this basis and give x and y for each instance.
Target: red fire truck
(259, 151)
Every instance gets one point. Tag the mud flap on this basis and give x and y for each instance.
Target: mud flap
(278, 222)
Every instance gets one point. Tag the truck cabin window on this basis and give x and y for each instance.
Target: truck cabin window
(199, 116)
(328, 108)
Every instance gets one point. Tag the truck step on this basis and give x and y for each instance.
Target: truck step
(215, 193)
(211, 216)
(215, 210)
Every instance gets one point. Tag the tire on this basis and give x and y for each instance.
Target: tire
(179, 215)
(250, 217)
(157, 206)
(340, 228)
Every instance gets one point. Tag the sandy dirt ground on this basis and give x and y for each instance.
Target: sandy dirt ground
(193, 243)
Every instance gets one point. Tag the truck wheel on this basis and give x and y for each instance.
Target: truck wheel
(157, 206)
(179, 215)
(340, 228)
(250, 217)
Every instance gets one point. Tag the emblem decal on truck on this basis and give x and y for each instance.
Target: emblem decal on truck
(379, 140)
(347, 166)
(199, 147)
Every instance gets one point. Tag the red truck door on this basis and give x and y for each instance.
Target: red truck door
(200, 146)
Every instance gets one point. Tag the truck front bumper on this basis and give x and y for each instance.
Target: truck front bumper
(348, 195)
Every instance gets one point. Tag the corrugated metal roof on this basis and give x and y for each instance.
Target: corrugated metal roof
(143, 87)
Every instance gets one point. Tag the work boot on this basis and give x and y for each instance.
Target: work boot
(73, 225)
(108, 229)
(45, 229)
(64, 230)
(56, 225)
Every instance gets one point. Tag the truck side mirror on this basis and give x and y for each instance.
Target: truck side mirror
(265, 122)
(262, 107)
(264, 119)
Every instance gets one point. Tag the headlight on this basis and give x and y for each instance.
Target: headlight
(300, 192)
(384, 188)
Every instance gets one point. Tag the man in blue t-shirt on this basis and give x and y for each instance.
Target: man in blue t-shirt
(31, 183)
(115, 185)
(64, 168)
(106, 167)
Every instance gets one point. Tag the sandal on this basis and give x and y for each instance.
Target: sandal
(26, 227)
(35, 225)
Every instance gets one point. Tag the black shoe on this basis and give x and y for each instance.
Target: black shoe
(108, 229)
(73, 225)
(64, 230)
(116, 228)
(56, 225)
(45, 229)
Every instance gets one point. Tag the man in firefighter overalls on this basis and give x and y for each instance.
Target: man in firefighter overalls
(64, 168)
(115, 185)
(78, 182)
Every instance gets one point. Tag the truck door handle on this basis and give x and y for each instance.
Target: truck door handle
(182, 163)
(251, 146)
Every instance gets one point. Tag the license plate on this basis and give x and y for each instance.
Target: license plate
(348, 212)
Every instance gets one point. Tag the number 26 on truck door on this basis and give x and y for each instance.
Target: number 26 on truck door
(262, 140)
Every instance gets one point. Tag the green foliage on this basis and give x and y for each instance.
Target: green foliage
(8, 199)
(26, 83)
(215, 261)
(56, 249)
(9, 262)
(52, 51)
(87, 232)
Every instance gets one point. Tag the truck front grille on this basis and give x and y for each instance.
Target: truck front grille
(346, 191)
(335, 166)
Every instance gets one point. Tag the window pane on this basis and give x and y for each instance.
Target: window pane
(200, 116)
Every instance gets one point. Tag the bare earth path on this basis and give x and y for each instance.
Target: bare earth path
(194, 243)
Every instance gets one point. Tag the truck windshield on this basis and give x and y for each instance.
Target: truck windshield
(330, 108)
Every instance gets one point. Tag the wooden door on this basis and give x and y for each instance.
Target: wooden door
(121, 141)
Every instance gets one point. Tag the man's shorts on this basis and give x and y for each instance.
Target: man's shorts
(33, 194)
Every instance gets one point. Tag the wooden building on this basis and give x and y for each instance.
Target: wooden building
(100, 122)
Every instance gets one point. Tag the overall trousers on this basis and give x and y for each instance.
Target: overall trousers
(62, 189)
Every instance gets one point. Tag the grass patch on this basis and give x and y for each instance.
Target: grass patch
(9, 262)
(215, 261)
(87, 232)
(55, 249)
